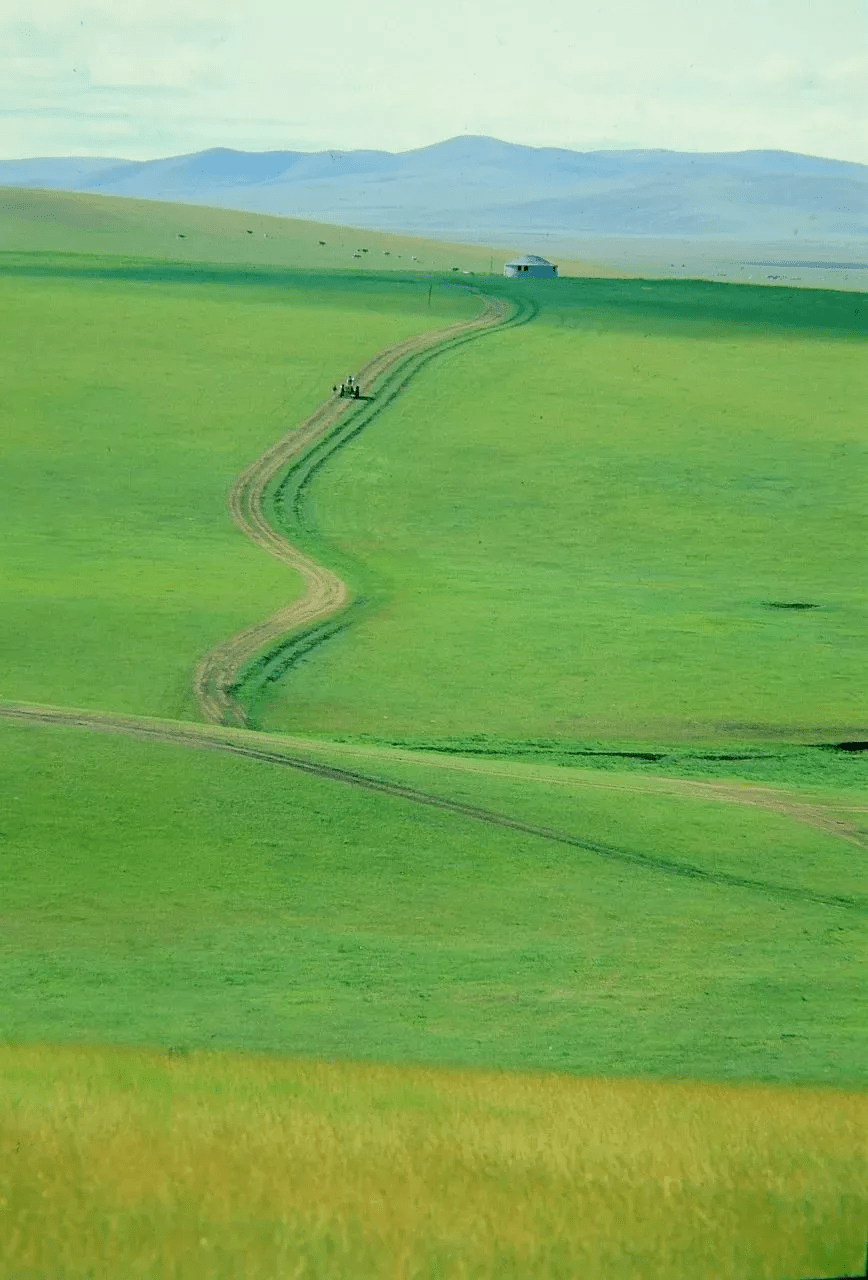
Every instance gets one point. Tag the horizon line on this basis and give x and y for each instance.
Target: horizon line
(461, 137)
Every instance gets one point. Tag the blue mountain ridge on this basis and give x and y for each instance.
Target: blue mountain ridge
(494, 186)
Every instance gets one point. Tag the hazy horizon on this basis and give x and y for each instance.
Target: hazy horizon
(323, 150)
(151, 80)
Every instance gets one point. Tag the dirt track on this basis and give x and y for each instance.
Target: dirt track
(830, 817)
(325, 593)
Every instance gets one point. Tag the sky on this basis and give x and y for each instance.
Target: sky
(147, 78)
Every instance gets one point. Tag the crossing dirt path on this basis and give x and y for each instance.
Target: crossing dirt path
(325, 594)
(283, 752)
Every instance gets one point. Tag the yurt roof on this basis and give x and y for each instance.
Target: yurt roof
(529, 260)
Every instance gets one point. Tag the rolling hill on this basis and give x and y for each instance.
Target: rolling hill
(577, 800)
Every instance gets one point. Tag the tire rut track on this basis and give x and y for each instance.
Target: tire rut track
(825, 818)
(325, 594)
(218, 738)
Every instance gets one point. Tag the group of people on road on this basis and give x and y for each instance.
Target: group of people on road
(349, 387)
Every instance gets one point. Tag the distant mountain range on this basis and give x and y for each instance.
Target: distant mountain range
(480, 188)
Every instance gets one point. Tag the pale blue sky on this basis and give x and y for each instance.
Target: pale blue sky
(144, 78)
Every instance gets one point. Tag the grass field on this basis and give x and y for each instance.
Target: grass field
(598, 828)
(574, 529)
(139, 1164)
(133, 395)
(162, 896)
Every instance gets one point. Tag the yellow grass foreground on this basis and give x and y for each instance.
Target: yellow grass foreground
(123, 1163)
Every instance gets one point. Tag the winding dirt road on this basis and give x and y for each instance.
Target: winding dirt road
(325, 594)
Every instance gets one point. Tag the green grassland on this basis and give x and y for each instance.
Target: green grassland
(574, 529)
(153, 894)
(187, 900)
(136, 1164)
(565, 539)
(133, 394)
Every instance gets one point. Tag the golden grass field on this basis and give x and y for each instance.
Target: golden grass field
(129, 1163)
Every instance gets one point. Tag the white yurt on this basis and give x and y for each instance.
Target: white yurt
(530, 265)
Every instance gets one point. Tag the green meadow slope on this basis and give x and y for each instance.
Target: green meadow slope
(554, 543)
(160, 895)
(133, 395)
(578, 529)
(59, 222)
(565, 540)
(186, 900)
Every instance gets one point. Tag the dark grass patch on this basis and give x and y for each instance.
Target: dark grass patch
(791, 604)
(840, 764)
